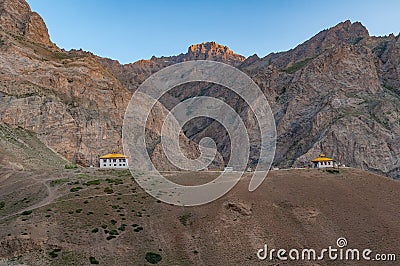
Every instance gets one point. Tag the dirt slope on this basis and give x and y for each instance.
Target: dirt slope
(291, 209)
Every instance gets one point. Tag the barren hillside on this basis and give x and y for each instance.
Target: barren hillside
(119, 225)
(55, 216)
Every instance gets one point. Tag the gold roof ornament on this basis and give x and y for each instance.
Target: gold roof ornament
(321, 158)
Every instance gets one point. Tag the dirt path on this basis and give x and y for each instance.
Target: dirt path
(52, 194)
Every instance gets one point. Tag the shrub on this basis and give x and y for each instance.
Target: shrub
(75, 189)
(115, 181)
(92, 182)
(58, 181)
(184, 218)
(2, 204)
(78, 211)
(53, 254)
(71, 166)
(95, 230)
(108, 190)
(26, 212)
(121, 228)
(138, 229)
(113, 232)
(110, 237)
(93, 260)
(153, 258)
(332, 171)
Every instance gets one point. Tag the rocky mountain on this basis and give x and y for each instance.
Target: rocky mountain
(132, 75)
(17, 18)
(338, 92)
(70, 100)
(335, 93)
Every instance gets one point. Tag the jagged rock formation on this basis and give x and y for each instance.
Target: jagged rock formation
(337, 92)
(132, 75)
(17, 18)
(213, 51)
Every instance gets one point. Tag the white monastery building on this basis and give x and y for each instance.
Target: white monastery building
(322, 162)
(114, 161)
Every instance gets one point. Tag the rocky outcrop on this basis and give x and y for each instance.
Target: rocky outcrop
(132, 75)
(215, 52)
(17, 18)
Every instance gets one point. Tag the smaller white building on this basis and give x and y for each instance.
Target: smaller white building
(322, 162)
(228, 169)
(114, 161)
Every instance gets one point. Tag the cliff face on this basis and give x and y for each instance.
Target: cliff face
(335, 93)
(69, 99)
(213, 51)
(338, 92)
(17, 18)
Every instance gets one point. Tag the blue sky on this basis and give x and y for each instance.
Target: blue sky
(132, 30)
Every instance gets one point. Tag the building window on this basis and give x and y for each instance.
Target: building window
(104, 165)
(115, 164)
(122, 160)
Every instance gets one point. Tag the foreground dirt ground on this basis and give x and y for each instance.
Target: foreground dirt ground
(64, 217)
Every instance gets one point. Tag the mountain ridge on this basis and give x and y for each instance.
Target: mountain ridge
(337, 92)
